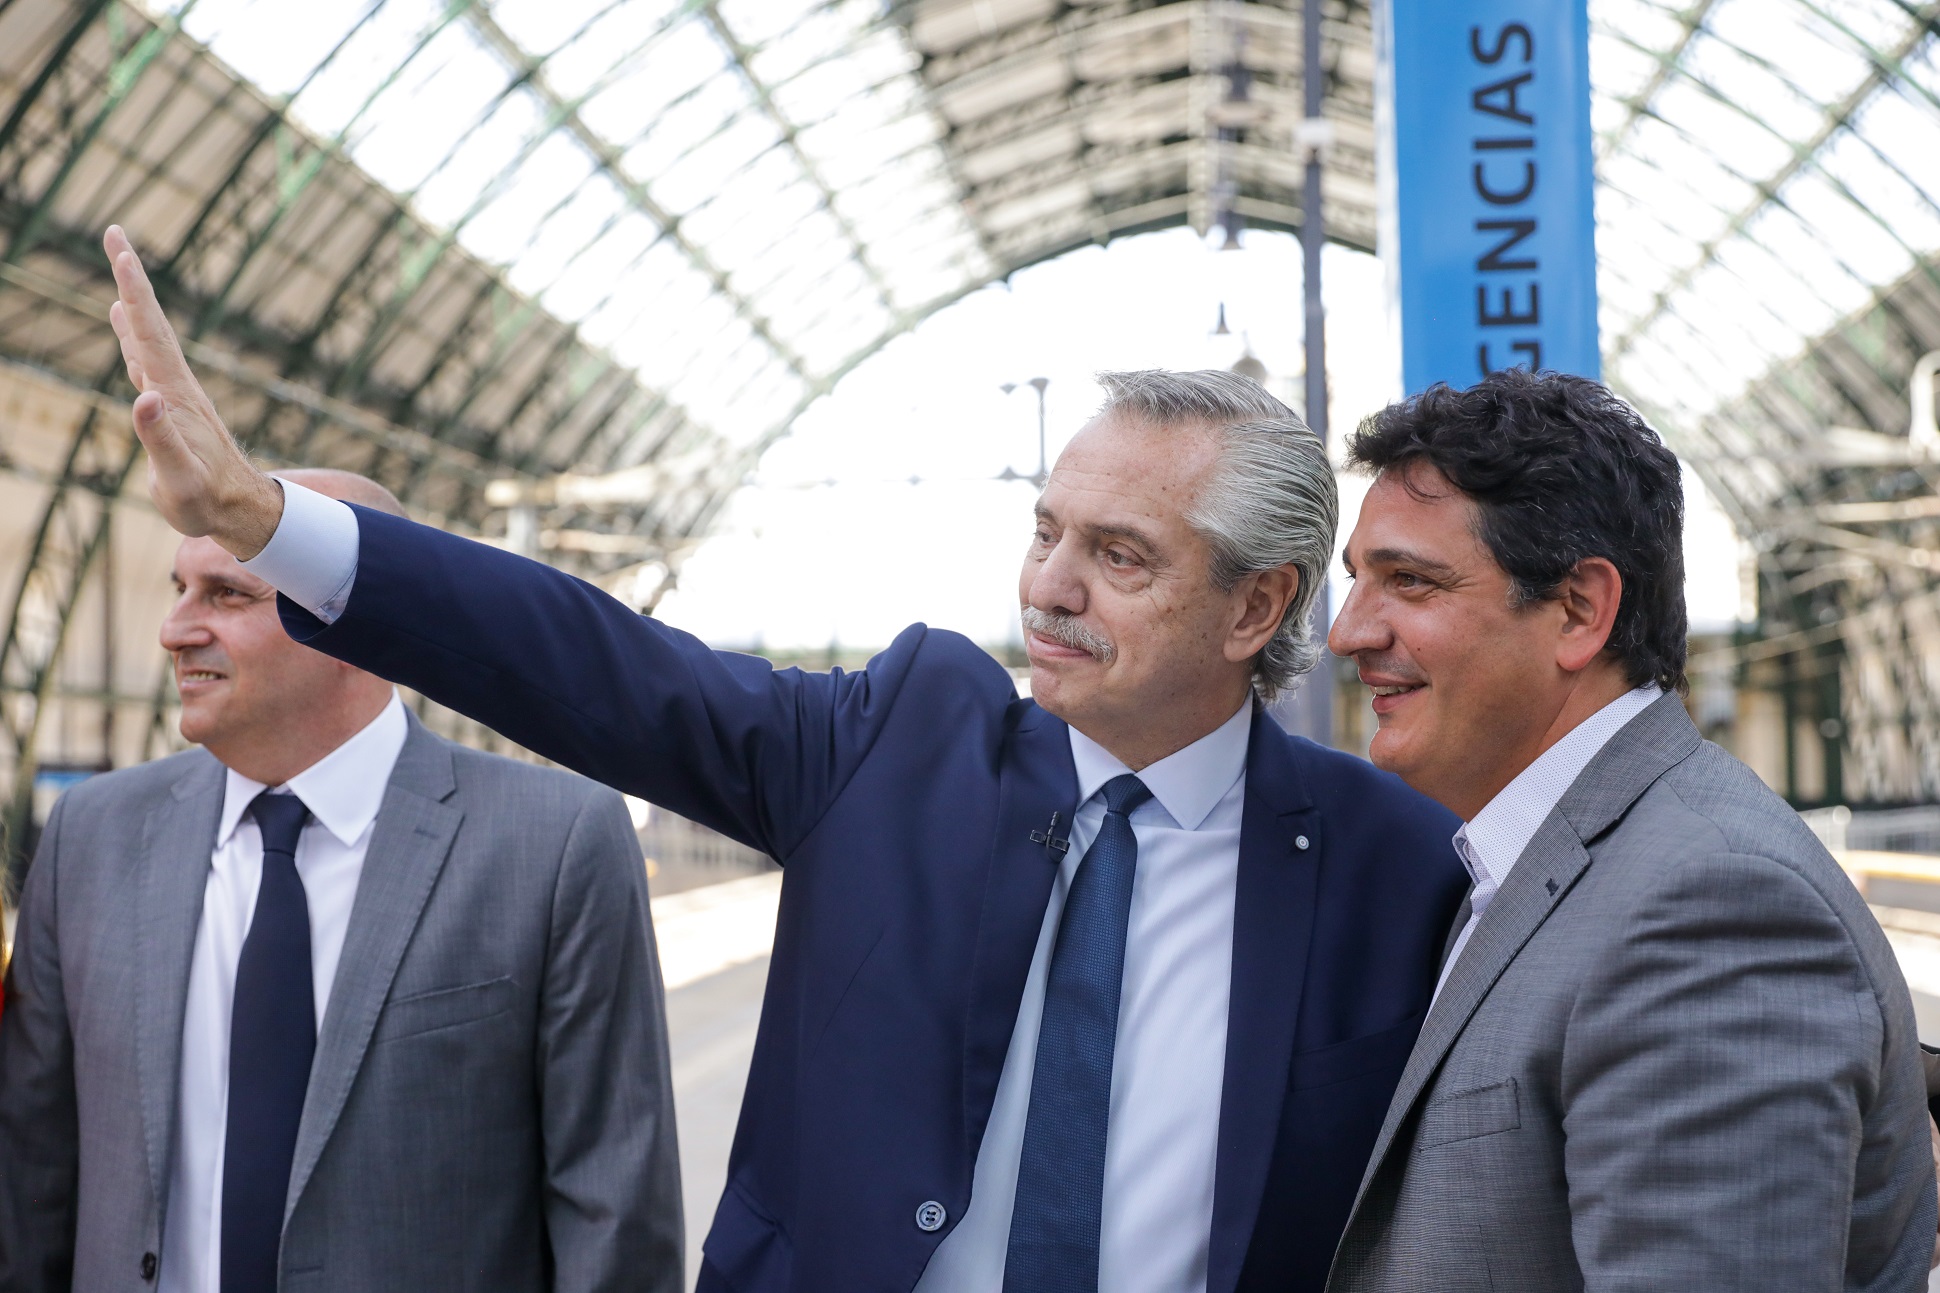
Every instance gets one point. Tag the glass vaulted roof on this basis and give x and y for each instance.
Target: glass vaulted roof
(730, 197)
(470, 247)
(448, 242)
(1766, 167)
(1768, 222)
(739, 199)
(734, 201)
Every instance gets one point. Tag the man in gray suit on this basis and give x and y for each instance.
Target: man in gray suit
(331, 1003)
(1670, 1048)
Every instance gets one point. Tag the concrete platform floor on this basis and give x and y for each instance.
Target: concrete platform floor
(711, 1024)
(713, 945)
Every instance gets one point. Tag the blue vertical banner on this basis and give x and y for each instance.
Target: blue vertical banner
(1487, 186)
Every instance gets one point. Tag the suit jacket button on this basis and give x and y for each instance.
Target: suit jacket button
(1300, 842)
(148, 1266)
(930, 1217)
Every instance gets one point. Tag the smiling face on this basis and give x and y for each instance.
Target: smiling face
(1466, 689)
(254, 698)
(1129, 639)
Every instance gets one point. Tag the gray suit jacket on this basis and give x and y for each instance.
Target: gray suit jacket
(1676, 1055)
(489, 1107)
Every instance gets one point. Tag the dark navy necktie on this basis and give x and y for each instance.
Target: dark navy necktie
(272, 1038)
(1054, 1225)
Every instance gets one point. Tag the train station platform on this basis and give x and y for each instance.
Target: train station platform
(714, 946)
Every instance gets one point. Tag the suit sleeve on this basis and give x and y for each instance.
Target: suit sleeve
(1717, 1069)
(39, 1121)
(612, 1175)
(565, 670)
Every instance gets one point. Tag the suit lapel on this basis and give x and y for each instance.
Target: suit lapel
(1273, 917)
(409, 842)
(1642, 751)
(1555, 857)
(176, 843)
(1036, 780)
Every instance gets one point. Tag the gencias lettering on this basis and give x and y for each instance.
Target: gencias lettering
(1506, 241)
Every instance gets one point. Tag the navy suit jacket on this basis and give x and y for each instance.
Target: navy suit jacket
(901, 800)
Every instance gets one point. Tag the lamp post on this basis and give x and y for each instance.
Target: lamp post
(1315, 701)
(1314, 134)
(1043, 462)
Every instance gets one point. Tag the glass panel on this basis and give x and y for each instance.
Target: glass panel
(1622, 67)
(479, 162)
(1695, 309)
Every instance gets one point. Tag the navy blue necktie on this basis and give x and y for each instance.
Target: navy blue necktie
(272, 1038)
(1054, 1225)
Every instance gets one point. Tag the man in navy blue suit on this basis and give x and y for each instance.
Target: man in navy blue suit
(1104, 989)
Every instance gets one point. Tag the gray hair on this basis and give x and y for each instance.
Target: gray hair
(1271, 500)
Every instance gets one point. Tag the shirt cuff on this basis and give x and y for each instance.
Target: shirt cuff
(312, 557)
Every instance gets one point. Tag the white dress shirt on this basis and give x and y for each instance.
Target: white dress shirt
(1170, 1062)
(342, 791)
(312, 557)
(1491, 844)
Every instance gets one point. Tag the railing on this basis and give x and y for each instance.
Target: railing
(1877, 830)
(685, 855)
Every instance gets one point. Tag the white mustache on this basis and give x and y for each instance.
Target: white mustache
(1069, 630)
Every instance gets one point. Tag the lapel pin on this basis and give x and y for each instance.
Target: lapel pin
(1551, 886)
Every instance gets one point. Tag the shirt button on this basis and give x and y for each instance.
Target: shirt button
(1300, 842)
(930, 1217)
(148, 1266)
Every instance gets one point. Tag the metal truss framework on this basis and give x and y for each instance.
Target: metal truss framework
(1769, 266)
(448, 242)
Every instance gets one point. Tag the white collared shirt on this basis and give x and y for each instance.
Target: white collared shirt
(311, 558)
(1170, 1062)
(343, 791)
(1492, 842)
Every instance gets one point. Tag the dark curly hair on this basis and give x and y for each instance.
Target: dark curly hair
(1561, 470)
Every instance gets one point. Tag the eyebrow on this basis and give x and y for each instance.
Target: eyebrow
(1404, 557)
(1130, 533)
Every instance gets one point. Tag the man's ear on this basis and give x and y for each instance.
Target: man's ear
(1264, 598)
(1588, 596)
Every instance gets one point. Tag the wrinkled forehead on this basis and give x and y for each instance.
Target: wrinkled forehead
(1163, 467)
(206, 561)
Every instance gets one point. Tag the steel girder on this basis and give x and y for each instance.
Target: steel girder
(1074, 123)
(93, 132)
(654, 232)
(1844, 520)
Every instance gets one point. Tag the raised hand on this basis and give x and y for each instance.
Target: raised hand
(200, 479)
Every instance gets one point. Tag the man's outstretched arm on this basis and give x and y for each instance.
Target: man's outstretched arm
(544, 658)
(567, 671)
